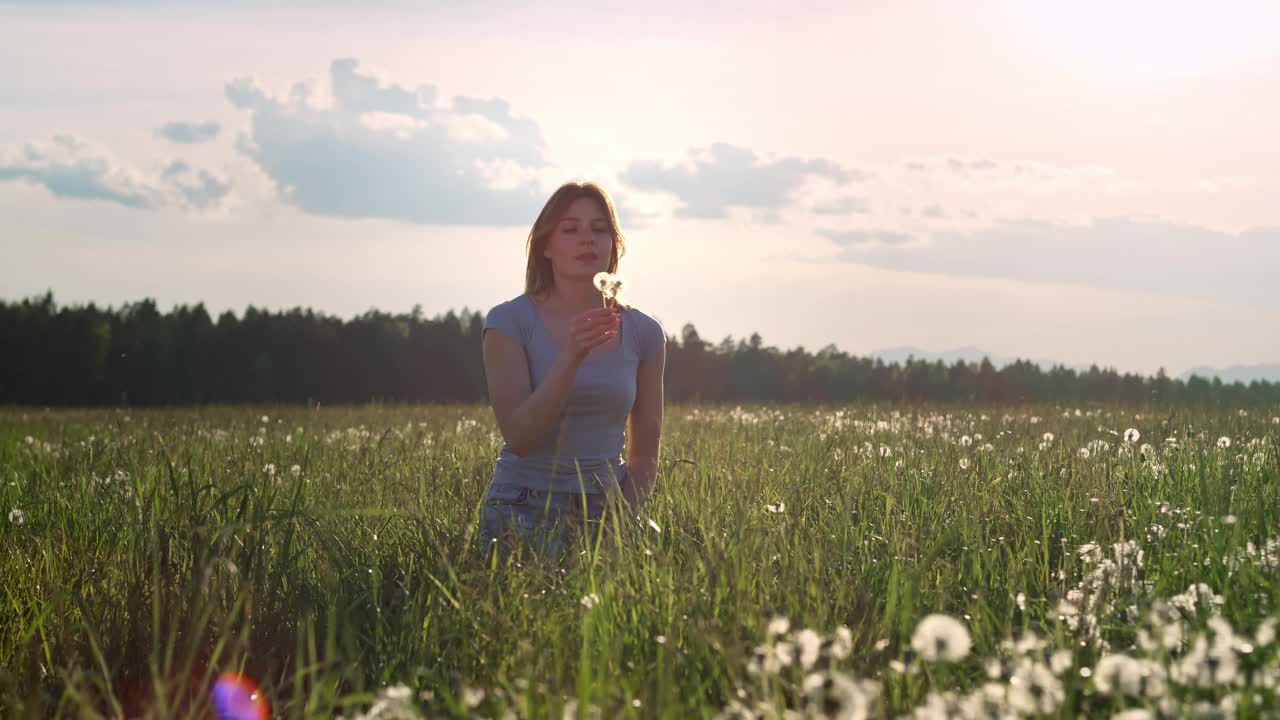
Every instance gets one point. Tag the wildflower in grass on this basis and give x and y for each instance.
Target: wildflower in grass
(269, 469)
(17, 517)
(1134, 714)
(840, 644)
(809, 643)
(965, 441)
(655, 525)
(1266, 632)
(1229, 519)
(778, 625)
(771, 658)
(778, 507)
(472, 697)
(295, 470)
(941, 637)
(964, 463)
(1083, 453)
(941, 706)
(590, 600)
(1047, 437)
(1197, 595)
(835, 695)
(1060, 662)
(1132, 435)
(1118, 675)
(1207, 665)
(1224, 442)
(1034, 689)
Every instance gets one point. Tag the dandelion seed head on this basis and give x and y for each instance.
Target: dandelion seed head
(17, 517)
(1224, 442)
(778, 625)
(608, 284)
(1132, 435)
(941, 637)
(808, 643)
(472, 697)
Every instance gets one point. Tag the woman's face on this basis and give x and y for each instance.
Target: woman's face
(581, 243)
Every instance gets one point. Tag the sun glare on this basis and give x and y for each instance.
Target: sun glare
(1149, 38)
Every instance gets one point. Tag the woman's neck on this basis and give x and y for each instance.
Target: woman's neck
(575, 296)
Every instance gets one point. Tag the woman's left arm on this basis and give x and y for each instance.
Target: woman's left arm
(644, 429)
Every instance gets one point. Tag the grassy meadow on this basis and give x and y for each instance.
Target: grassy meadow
(795, 561)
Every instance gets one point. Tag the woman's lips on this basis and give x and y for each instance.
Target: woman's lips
(586, 258)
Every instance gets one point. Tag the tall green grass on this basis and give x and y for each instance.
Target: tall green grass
(153, 550)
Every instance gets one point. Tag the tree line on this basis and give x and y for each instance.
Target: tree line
(138, 355)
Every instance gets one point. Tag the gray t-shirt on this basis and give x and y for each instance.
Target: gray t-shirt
(593, 421)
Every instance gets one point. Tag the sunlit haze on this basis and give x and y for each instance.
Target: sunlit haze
(1081, 182)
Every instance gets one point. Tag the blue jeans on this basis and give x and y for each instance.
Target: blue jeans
(553, 522)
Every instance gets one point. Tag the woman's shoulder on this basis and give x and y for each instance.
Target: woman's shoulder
(509, 316)
(641, 316)
(651, 333)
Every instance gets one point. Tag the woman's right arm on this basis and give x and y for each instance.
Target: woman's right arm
(527, 415)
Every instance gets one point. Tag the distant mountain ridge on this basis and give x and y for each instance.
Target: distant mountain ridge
(969, 354)
(1237, 373)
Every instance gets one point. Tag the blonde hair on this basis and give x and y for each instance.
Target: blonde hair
(538, 277)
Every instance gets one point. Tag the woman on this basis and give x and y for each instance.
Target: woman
(565, 374)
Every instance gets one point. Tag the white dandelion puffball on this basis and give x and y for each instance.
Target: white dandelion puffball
(608, 284)
(1224, 442)
(1132, 435)
(17, 517)
(941, 637)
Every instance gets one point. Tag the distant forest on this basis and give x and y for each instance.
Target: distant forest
(137, 355)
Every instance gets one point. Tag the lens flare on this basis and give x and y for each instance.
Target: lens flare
(237, 697)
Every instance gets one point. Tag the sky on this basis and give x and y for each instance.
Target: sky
(1086, 182)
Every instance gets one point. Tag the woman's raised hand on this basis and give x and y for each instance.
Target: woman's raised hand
(592, 329)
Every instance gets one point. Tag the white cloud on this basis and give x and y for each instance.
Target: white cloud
(725, 176)
(70, 167)
(383, 150)
(189, 133)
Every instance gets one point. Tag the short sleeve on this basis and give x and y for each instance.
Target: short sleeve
(503, 318)
(652, 337)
